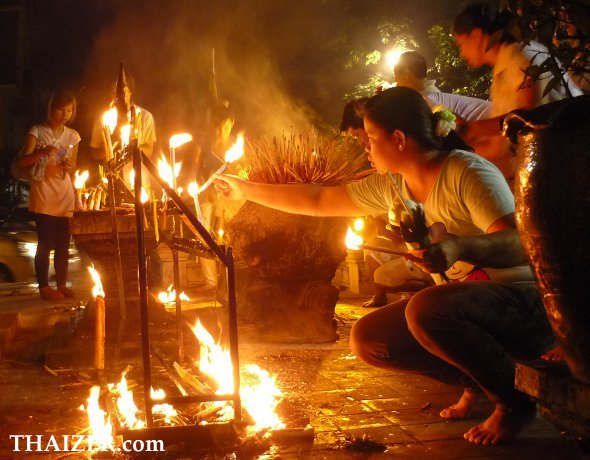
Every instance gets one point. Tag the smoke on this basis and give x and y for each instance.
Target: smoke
(167, 48)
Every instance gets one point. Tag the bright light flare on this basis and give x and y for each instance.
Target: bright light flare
(144, 194)
(179, 139)
(97, 290)
(125, 134)
(358, 225)
(235, 151)
(101, 430)
(126, 406)
(393, 55)
(109, 119)
(353, 241)
(193, 189)
(165, 170)
(80, 179)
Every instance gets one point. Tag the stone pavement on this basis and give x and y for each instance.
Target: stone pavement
(356, 411)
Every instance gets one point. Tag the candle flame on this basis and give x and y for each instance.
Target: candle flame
(193, 189)
(144, 194)
(358, 225)
(165, 170)
(80, 179)
(125, 133)
(179, 139)
(109, 119)
(97, 290)
(236, 150)
(353, 241)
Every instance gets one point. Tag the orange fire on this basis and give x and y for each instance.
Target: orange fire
(179, 139)
(353, 241)
(144, 194)
(109, 119)
(101, 429)
(97, 290)
(259, 392)
(235, 151)
(80, 179)
(168, 297)
(165, 170)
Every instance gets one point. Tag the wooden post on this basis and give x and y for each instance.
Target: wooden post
(99, 305)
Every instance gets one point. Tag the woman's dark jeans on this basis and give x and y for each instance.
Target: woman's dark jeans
(53, 233)
(478, 327)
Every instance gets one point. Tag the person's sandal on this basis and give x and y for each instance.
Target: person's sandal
(66, 291)
(50, 294)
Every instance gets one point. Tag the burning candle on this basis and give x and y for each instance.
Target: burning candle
(193, 190)
(155, 209)
(355, 242)
(109, 122)
(97, 199)
(176, 141)
(99, 304)
(234, 152)
(79, 185)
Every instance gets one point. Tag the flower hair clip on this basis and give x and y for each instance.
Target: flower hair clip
(445, 122)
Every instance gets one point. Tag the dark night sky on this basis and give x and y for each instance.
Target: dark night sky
(280, 63)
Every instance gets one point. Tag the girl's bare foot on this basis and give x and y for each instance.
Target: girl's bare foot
(501, 427)
(375, 302)
(463, 407)
(556, 354)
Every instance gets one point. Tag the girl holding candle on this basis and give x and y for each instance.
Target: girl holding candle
(49, 155)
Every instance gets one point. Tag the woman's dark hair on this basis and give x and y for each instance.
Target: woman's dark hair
(62, 99)
(352, 115)
(485, 16)
(404, 109)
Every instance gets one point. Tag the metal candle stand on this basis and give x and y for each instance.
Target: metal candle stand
(202, 434)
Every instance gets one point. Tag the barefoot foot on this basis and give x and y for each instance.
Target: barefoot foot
(502, 426)
(462, 408)
(556, 354)
(375, 302)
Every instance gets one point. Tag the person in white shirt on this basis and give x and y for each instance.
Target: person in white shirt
(49, 152)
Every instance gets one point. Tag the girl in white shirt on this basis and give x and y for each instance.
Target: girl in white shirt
(50, 151)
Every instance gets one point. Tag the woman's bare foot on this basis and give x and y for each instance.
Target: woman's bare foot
(556, 354)
(501, 427)
(463, 407)
(375, 302)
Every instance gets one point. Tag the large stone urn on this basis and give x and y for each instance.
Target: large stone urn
(285, 266)
(552, 193)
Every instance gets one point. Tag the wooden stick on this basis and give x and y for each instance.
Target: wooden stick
(99, 332)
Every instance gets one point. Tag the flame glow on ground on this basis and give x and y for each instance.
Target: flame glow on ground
(258, 390)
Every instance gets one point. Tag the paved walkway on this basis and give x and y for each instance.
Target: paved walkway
(356, 411)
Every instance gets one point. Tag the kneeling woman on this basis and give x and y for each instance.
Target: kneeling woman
(478, 327)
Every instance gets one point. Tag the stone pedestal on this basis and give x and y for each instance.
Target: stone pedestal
(167, 266)
(92, 232)
(283, 276)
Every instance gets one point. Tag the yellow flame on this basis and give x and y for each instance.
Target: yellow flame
(165, 170)
(358, 225)
(213, 360)
(109, 119)
(80, 179)
(169, 296)
(179, 139)
(193, 189)
(126, 406)
(260, 397)
(125, 134)
(101, 430)
(157, 394)
(144, 193)
(259, 392)
(236, 150)
(220, 233)
(97, 289)
(353, 241)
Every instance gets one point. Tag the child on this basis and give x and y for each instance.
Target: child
(50, 152)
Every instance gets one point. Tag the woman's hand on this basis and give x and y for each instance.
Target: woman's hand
(438, 257)
(231, 187)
